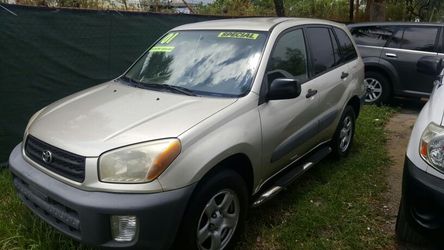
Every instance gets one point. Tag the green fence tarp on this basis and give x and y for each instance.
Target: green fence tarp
(47, 53)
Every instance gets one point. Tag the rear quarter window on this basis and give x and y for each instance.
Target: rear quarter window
(346, 47)
(372, 35)
(419, 38)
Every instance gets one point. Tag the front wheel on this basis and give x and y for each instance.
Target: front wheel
(404, 231)
(343, 138)
(216, 213)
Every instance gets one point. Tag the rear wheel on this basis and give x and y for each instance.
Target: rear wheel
(378, 88)
(216, 213)
(343, 138)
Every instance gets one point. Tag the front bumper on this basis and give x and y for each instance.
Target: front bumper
(423, 197)
(85, 215)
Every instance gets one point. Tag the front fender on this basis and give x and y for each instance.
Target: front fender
(235, 130)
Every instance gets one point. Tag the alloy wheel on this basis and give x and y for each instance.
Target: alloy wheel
(345, 135)
(374, 90)
(218, 221)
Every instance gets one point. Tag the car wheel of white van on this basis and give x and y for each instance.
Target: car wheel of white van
(378, 88)
(215, 214)
(404, 230)
(343, 138)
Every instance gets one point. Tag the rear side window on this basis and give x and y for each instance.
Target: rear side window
(415, 38)
(419, 38)
(372, 35)
(348, 51)
(289, 58)
(321, 49)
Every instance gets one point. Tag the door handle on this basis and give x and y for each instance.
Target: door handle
(311, 92)
(392, 55)
(344, 75)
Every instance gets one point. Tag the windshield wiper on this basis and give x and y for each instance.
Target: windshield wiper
(131, 81)
(172, 88)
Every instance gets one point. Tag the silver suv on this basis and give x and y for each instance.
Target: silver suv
(212, 118)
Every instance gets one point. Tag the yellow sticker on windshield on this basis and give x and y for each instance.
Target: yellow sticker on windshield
(241, 35)
(162, 49)
(169, 38)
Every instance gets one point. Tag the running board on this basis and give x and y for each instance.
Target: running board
(290, 176)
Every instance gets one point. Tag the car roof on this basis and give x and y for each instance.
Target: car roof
(251, 23)
(393, 24)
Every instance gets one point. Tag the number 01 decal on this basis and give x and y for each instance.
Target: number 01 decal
(169, 38)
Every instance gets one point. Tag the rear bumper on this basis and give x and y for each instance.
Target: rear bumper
(423, 196)
(85, 215)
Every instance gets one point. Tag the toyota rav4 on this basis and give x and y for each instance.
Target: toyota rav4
(212, 118)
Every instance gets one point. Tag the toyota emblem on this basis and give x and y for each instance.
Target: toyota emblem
(47, 156)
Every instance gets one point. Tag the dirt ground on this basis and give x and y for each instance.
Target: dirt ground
(398, 130)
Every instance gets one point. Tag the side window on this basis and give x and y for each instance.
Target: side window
(321, 49)
(395, 42)
(419, 38)
(289, 58)
(348, 51)
(372, 35)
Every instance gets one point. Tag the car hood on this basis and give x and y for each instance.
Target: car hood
(113, 114)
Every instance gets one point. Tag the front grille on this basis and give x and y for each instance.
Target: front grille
(60, 216)
(64, 163)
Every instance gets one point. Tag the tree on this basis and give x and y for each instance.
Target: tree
(350, 10)
(375, 10)
(422, 9)
(279, 7)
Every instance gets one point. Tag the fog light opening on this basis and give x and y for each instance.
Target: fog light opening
(123, 227)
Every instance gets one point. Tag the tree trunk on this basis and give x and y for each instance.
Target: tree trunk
(279, 7)
(350, 10)
(375, 10)
(378, 11)
(357, 10)
(368, 7)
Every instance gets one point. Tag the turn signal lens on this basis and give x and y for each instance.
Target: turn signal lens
(138, 163)
(164, 159)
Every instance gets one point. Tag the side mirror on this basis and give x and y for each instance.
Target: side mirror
(283, 88)
(429, 65)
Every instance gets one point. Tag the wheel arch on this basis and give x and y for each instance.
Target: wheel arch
(239, 163)
(386, 69)
(355, 103)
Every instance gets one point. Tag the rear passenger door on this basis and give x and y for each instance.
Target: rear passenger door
(331, 73)
(407, 46)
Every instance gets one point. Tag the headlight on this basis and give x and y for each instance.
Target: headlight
(432, 146)
(138, 163)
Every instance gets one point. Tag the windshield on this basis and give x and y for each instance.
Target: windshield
(221, 63)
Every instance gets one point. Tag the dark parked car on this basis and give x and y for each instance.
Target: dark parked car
(391, 52)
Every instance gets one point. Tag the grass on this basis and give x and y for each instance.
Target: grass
(336, 205)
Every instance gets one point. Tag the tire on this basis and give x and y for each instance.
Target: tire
(343, 137)
(404, 230)
(379, 89)
(215, 188)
